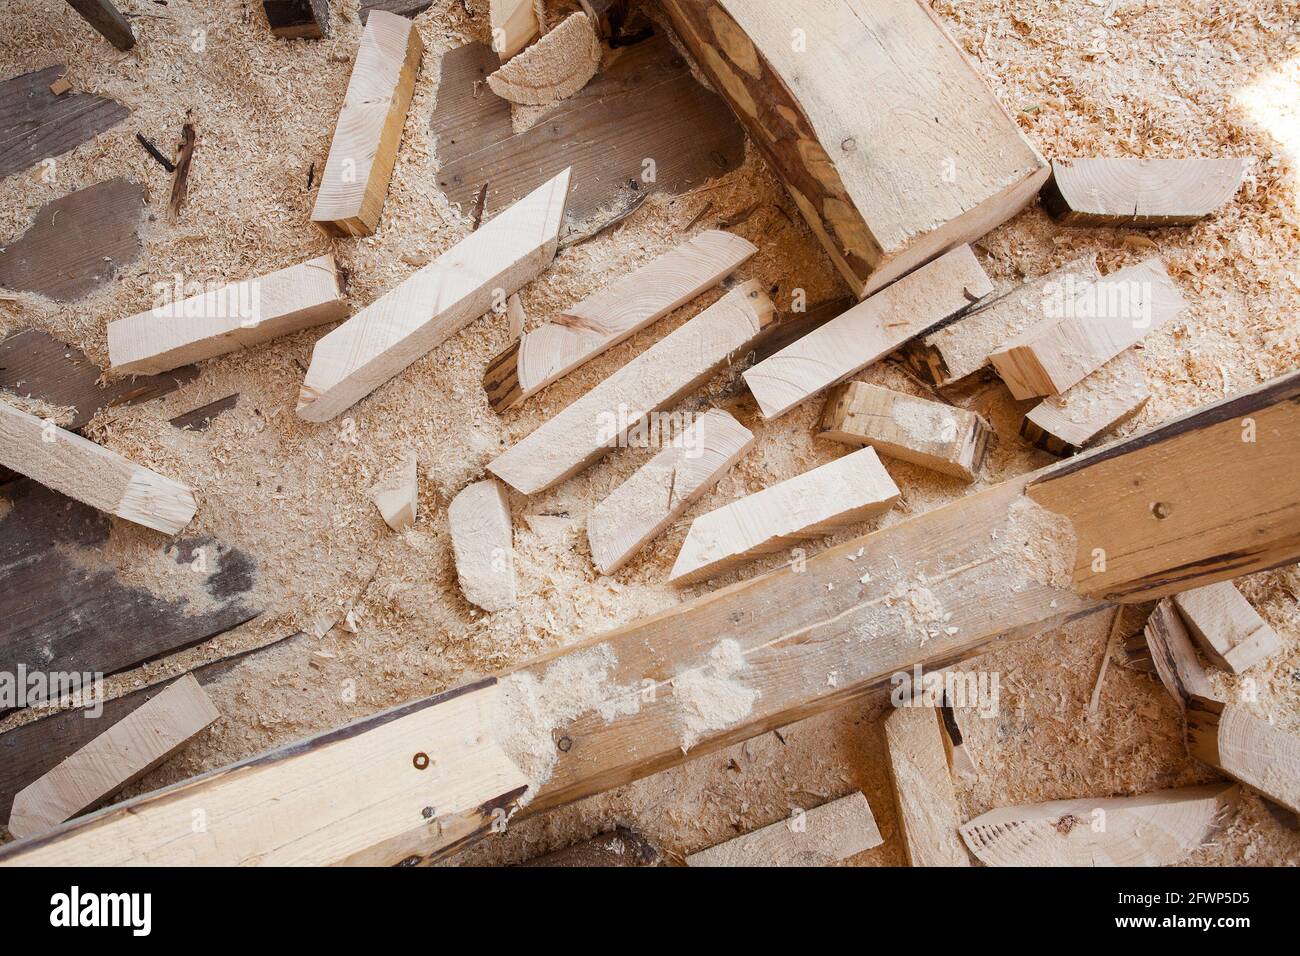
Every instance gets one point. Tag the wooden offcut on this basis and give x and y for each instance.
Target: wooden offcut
(657, 378)
(434, 303)
(298, 19)
(234, 316)
(940, 437)
(887, 137)
(1140, 192)
(482, 540)
(822, 836)
(867, 332)
(396, 495)
(1065, 424)
(364, 148)
(810, 505)
(1228, 629)
(107, 21)
(553, 68)
(923, 793)
(514, 25)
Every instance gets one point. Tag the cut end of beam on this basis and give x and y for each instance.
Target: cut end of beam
(157, 502)
(1140, 192)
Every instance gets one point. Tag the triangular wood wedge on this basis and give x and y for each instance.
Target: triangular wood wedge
(556, 66)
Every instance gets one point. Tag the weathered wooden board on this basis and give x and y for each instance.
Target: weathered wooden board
(405, 8)
(36, 124)
(200, 418)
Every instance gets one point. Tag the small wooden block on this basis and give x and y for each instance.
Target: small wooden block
(930, 434)
(961, 348)
(91, 473)
(585, 431)
(612, 315)
(483, 543)
(1228, 629)
(868, 332)
(116, 758)
(822, 836)
(298, 19)
(435, 303)
(554, 68)
(927, 805)
(223, 320)
(1155, 829)
(60, 86)
(1140, 192)
(514, 24)
(1065, 424)
(815, 503)
(364, 148)
(664, 487)
(396, 495)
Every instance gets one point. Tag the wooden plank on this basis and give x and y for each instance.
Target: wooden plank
(961, 348)
(118, 757)
(482, 540)
(107, 21)
(36, 123)
(923, 793)
(36, 365)
(514, 25)
(779, 647)
(200, 418)
(1140, 192)
(612, 315)
(621, 848)
(298, 19)
(656, 379)
(953, 166)
(868, 332)
(1228, 629)
(658, 492)
(815, 503)
(397, 494)
(1088, 330)
(821, 836)
(434, 303)
(1065, 424)
(645, 105)
(933, 435)
(76, 243)
(364, 148)
(228, 318)
(91, 473)
(1154, 829)
(553, 68)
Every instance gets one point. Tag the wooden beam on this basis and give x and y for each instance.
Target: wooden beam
(1140, 192)
(397, 494)
(115, 759)
(941, 437)
(612, 315)
(1084, 331)
(663, 488)
(1155, 829)
(483, 542)
(1228, 629)
(927, 806)
(657, 378)
(364, 148)
(821, 836)
(434, 303)
(929, 591)
(954, 165)
(234, 316)
(91, 473)
(514, 25)
(867, 332)
(107, 21)
(553, 68)
(1067, 423)
(815, 503)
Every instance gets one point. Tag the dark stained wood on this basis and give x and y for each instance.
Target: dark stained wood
(403, 8)
(35, 124)
(181, 178)
(620, 847)
(107, 21)
(298, 19)
(77, 243)
(646, 105)
(199, 419)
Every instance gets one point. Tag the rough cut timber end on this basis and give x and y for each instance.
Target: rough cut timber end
(1065, 424)
(822, 836)
(364, 148)
(553, 68)
(1140, 192)
(923, 792)
(396, 495)
(298, 19)
(1155, 829)
(483, 543)
(954, 166)
(514, 24)
(1228, 629)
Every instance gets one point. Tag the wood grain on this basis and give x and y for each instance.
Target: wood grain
(36, 124)
(1140, 192)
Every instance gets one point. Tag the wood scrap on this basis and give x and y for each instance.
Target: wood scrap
(364, 148)
(482, 540)
(60, 86)
(663, 488)
(657, 378)
(961, 759)
(552, 69)
(1227, 628)
(1110, 647)
(822, 836)
(621, 847)
(396, 495)
(868, 332)
(238, 315)
(156, 153)
(815, 503)
(434, 303)
(37, 123)
(1140, 192)
(200, 418)
(612, 315)
(514, 25)
(115, 759)
(298, 19)
(923, 793)
(1067, 423)
(181, 178)
(107, 21)
(1154, 829)
(404, 8)
(940, 437)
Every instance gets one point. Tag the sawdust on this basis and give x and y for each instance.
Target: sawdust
(710, 697)
(923, 421)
